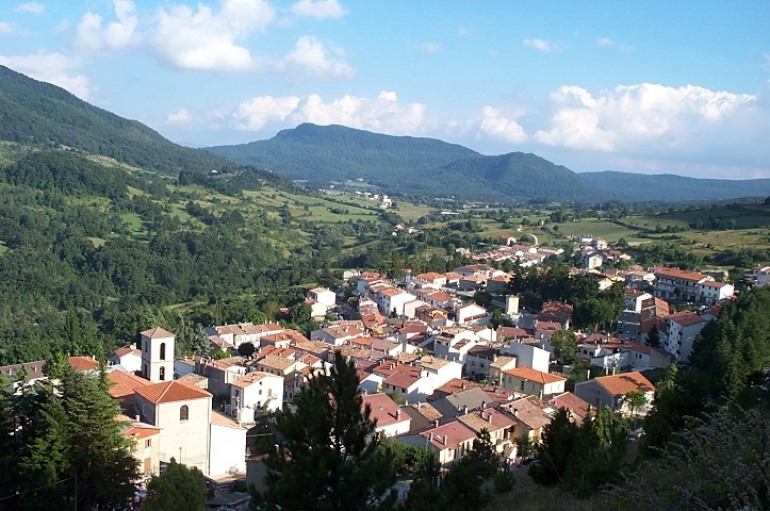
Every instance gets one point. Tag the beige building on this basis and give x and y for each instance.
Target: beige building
(533, 382)
(183, 413)
(257, 390)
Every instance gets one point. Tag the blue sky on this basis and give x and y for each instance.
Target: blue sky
(650, 87)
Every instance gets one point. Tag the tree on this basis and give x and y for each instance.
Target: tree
(329, 458)
(246, 349)
(557, 443)
(636, 401)
(179, 488)
(653, 336)
(563, 342)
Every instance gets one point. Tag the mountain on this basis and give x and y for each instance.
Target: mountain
(408, 165)
(39, 113)
(627, 186)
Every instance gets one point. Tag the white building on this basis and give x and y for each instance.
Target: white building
(255, 391)
(157, 355)
(528, 355)
(472, 314)
(387, 415)
(681, 330)
(227, 455)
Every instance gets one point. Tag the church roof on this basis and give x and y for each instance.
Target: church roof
(170, 391)
(157, 333)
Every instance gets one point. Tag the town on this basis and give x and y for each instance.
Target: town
(434, 367)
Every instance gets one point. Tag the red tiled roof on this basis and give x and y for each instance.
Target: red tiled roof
(124, 384)
(170, 391)
(622, 384)
(449, 435)
(82, 364)
(686, 318)
(384, 411)
(534, 375)
(140, 432)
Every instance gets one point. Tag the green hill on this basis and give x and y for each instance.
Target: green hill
(627, 186)
(407, 165)
(38, 113)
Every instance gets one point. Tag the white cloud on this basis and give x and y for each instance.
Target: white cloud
(180, 117)
(256, 113)
(55, 68)
(317, 58)
(493, 123)
(539, 44)
(605, 41)
(653, 119)
(204, 39)
(431, 47)
(383, 114)
(318, 9)
(7, 28)
(117, 34)
(30, 7)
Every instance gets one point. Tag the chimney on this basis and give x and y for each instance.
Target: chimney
(515, 412)
(398, 414)
(462, 386)
(430, 437)
(435, 423)
(444, 442)
(483, 405)
(137, 418)
(465, 409)
(489, 417)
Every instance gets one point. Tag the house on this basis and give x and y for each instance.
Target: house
(500, 364)
(579, 409)
(556, 312)
(681, 330)
(387, 415)
(532, 414)
(634, 298)
(528, 355)
(227, 455)
(30, 372)
(478, 361)
(533, 382)
(449, 442)
(462, 402)
(454, 344)
(255, 391)
(129, 357)
(144, 445)
(221, 373)
(87, 365)
(472, 314)
(500, 426)
(282, 339)
(336, 335)
(321, 301)
(611, 391)
(436, 280)
(438, 370)
(690, 286)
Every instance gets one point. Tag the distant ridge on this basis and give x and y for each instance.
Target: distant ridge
(322, 155)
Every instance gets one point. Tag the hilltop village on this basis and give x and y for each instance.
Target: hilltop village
(434, 364)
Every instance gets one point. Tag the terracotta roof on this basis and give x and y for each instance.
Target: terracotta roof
(427, 410)
(156, 333)
(534, 375)
(220, 420)
(622, 384)
(140, 432)
(126, 350)
(250, 378)
(401, 380)
(488, 418)
(448, 435)
(384, 411)
(572, 403)
(680, 274)
(686, 318)
(715, 284)
(275, 362)
(530, 411)
(124, 384)
(82, 364)
(170, 391)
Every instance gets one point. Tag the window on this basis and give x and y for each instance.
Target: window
(162, 374)
(163, 351)
(148, 443)
(184, 413)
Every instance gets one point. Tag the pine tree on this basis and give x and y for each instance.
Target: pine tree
(329, 459)
(179, 488)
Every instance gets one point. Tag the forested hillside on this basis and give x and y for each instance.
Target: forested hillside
(33, 112)
(407, 165)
